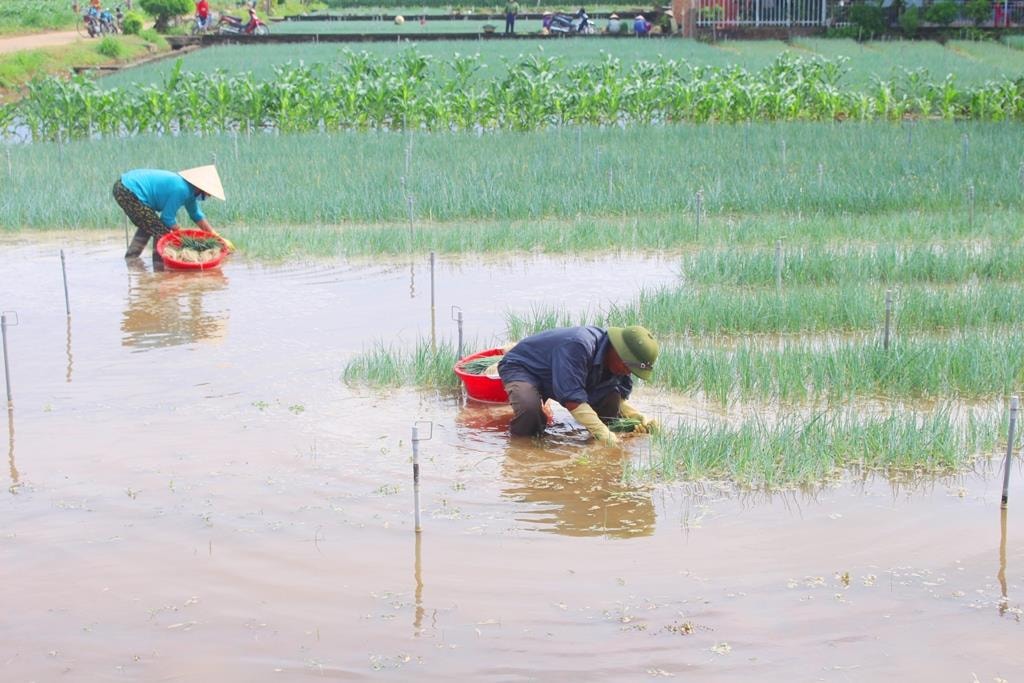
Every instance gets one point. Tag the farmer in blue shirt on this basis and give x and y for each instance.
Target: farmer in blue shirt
(151, 199)
(586, 369)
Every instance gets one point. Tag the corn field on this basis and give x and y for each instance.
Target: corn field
(413, 91)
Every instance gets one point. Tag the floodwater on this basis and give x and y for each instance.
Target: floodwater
(192, 494)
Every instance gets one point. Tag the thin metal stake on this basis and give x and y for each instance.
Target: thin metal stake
(457, 317)
(966, 141)
(433, 308)
(411, 201)
(10, 170)
(821, 174)
(778, 264)
(699, 206)
(7, 370)
(64, 272)
(1014, 409)
(888, 318)
(408, 153)
(416, 467)
(610, 184)
(783, 153)
(970, 205)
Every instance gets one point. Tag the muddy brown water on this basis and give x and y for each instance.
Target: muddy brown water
(193, 494)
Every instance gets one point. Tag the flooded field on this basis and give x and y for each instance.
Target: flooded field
(193, 494)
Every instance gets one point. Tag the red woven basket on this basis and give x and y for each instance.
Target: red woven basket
(481, 387)
(173, 239)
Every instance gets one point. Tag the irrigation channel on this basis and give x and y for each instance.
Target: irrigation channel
(194, 494)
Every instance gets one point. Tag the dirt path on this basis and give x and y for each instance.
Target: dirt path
(37, 40)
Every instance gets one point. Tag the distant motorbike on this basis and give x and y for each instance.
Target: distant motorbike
(108, 23)
(229, 25)
(91, 22)
(566, 24)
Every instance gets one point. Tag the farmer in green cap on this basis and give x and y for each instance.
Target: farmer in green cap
(586, 369)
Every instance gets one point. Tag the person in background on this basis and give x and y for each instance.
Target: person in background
(641, 27)
(584, 21)
(511, 10)
(203, 12)
(151, 199)
(586, 369)
(545, 22)
(614, 25)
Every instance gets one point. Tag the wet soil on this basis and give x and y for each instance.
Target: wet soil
(193, 494)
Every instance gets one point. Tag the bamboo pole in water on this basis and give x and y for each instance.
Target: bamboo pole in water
(7, 371)
(64, 273)
(1014, 409)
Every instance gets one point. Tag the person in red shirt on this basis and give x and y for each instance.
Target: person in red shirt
(203, 12)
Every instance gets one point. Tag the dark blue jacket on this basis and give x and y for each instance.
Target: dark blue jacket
(566, 364)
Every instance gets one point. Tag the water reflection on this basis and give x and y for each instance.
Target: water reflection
(168, 308)
(13, 488)
(67, 350)
(577, 494)
(1004, 600)
(570, 485)
(417, 572)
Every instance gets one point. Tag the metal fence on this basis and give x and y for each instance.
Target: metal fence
(721, 13)
(732, 13)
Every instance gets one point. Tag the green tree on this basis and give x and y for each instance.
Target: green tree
(910, 21)
(869, 18)
(978, 11)
(942, 13)
(165, 10)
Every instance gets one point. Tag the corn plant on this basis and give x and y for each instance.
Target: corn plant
(412, 90)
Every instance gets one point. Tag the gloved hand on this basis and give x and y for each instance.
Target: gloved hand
(548, 412)
(229, 243)
(508, 347)
(646, 425)
(586, 416)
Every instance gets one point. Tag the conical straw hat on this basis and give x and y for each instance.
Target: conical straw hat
(206, 179)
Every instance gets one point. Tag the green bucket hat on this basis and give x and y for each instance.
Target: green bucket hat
(637, 348)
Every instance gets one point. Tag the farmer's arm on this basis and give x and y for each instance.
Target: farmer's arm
(196, 214)
(569, 366)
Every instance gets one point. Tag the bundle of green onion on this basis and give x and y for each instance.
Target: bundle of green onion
(200, 244)
(479, 366)
(623, 424)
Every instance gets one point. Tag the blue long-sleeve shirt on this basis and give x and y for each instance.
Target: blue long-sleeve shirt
(566, 364)
(163, 191)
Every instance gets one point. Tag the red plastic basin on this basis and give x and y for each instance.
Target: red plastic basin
(482, 387)
(173, 239)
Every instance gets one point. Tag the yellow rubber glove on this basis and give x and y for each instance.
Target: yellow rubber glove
(229, 243)
(586, 416)
(646, 425)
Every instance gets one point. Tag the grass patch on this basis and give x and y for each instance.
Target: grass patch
(18, 68)
(798, 451)
(864, 61)
(730, 311)
(964, 366)
(26, 16)
(422, 367)
(886, 263)
(755, 181)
